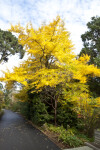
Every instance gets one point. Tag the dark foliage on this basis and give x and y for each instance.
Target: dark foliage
(9, 46)
(91, 43)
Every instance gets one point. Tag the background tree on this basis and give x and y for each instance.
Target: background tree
(91, 43)
(9, 46)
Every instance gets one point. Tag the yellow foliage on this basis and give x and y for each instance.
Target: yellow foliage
(51, 59)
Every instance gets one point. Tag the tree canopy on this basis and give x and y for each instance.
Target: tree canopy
(91, 41)
(9, 46)
(52, 69)
(51, 59)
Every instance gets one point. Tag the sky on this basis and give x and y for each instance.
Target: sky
(75, 13)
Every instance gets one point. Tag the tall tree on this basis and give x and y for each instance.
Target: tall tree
(9, 46)
(51, 63)
(91, 43)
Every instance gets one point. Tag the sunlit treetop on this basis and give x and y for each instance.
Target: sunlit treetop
(50, 57)
(48, 43)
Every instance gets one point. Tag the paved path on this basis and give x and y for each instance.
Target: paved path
(17, 134)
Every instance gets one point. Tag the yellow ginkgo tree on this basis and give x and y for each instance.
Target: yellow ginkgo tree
(51, 60)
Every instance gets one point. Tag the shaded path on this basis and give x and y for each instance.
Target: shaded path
(17, 134)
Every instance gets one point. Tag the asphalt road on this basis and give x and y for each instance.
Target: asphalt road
(17, 134)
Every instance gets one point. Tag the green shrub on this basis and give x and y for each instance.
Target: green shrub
(24, 109)
(14, 106)
(39, 114)
(89, 121)
(70, 139)
(66, 116)
(70, 136)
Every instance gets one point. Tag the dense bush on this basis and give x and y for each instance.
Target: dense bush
(89, 121)
(66, 116)
(38, 111)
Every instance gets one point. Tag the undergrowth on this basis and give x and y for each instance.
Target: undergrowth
(70, 136)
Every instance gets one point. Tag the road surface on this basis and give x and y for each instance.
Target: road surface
(17, 134)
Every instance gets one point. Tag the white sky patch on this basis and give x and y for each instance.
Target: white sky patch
(76, 14)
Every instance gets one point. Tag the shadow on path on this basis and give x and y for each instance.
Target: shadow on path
(17, 134)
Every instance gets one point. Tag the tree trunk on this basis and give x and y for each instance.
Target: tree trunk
(55, 117)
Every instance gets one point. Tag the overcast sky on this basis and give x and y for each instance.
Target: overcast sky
(75, 13)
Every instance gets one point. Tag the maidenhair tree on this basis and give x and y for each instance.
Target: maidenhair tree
(51, 63)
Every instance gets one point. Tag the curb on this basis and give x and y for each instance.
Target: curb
(80, 148)
(91, 146)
